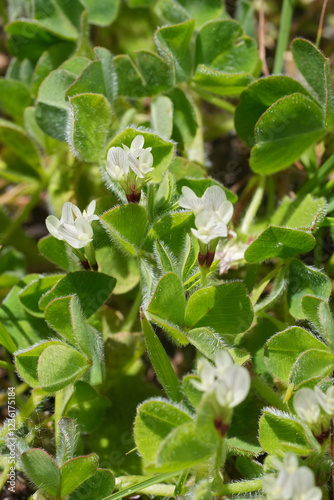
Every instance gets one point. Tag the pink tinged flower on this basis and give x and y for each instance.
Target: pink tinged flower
(117, 163)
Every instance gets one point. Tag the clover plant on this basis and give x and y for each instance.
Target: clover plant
(164, 334)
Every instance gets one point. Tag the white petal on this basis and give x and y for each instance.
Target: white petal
(84, 228)
(67, 213)
(226, 211)
(91, 208)
(213, 198)
(223, 361)
(240, 383)
(306, 405)
(204, 219)
(203, 238)
(137, 143)
(52, 224)
(117, 162)
(70, 235)
(190, 200)
(135, 167)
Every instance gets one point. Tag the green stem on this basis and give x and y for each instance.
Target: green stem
(180, 483)
(254, 206)
(260, 287)
(242, 487)
(216, 101)
(133, 314)
(320, 176)
(220, 454)
(267, 393)
(143, 485)
(7, 366)
(283, 37)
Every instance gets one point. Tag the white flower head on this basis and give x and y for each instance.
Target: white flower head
(208, 227)
(306, 405)
(291, 482)
(117, 163)
(214, 199)
(191, 201)
(141, 165)
(136, 146)
(77, 232)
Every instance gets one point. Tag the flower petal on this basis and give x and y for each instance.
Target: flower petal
(52, 225)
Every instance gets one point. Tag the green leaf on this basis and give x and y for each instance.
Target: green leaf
(222, 45)
(221, 83)
(193, 394)
(57, 252)
(162, 150)
(157, 73)
(75, 64)
(225, 308)
(125, 271)
(206, 341)
(101, 13)
(183, 448)
(257, 98)
(59, 366)
(162, 116)
(87, 407)
(129, 79)
(310, 364)
(67, 439)
(97, 78)
(23, 328)
(92, 289)
(311, 62)
(6, 340)
(171, 229)
(282, 350)
(76, 471)
(281, 141)
(29, 38)
(303, 280)
(50, 15)
(161, 363)
(279, 433)
(27, 361)
(305, 213)
(317, 311)
(154, 421)
(14, 97)
(173, 42)
(42, 470)
(127, 225)
(15, 138)
(32, 293)
(184, 118)
(171, 12)
(99, 486)
(181, 167)
(203, 10)
(90, 122)
(279, 242)
(51, 110)
(167, 306)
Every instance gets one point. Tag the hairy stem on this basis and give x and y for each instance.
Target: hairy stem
(216, 101)
(133, 314)
(265, 392)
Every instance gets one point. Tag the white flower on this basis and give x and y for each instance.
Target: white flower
(213, 200)
(326, 401)
(136, 146)
(208, 227)
(141, 165)
(117, 163)
(306, 405)
(303, 485)
(228, 381)
(79, 234)
(53, 224)
(88, 213)
(77, 231)
(230, 254)
(292, 482)
(191, 201)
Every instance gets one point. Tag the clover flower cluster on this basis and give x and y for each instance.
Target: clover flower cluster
(291, 482)
(316, 409)
(74, 226)
(212, 214)
(130, 166)
(229, 383)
